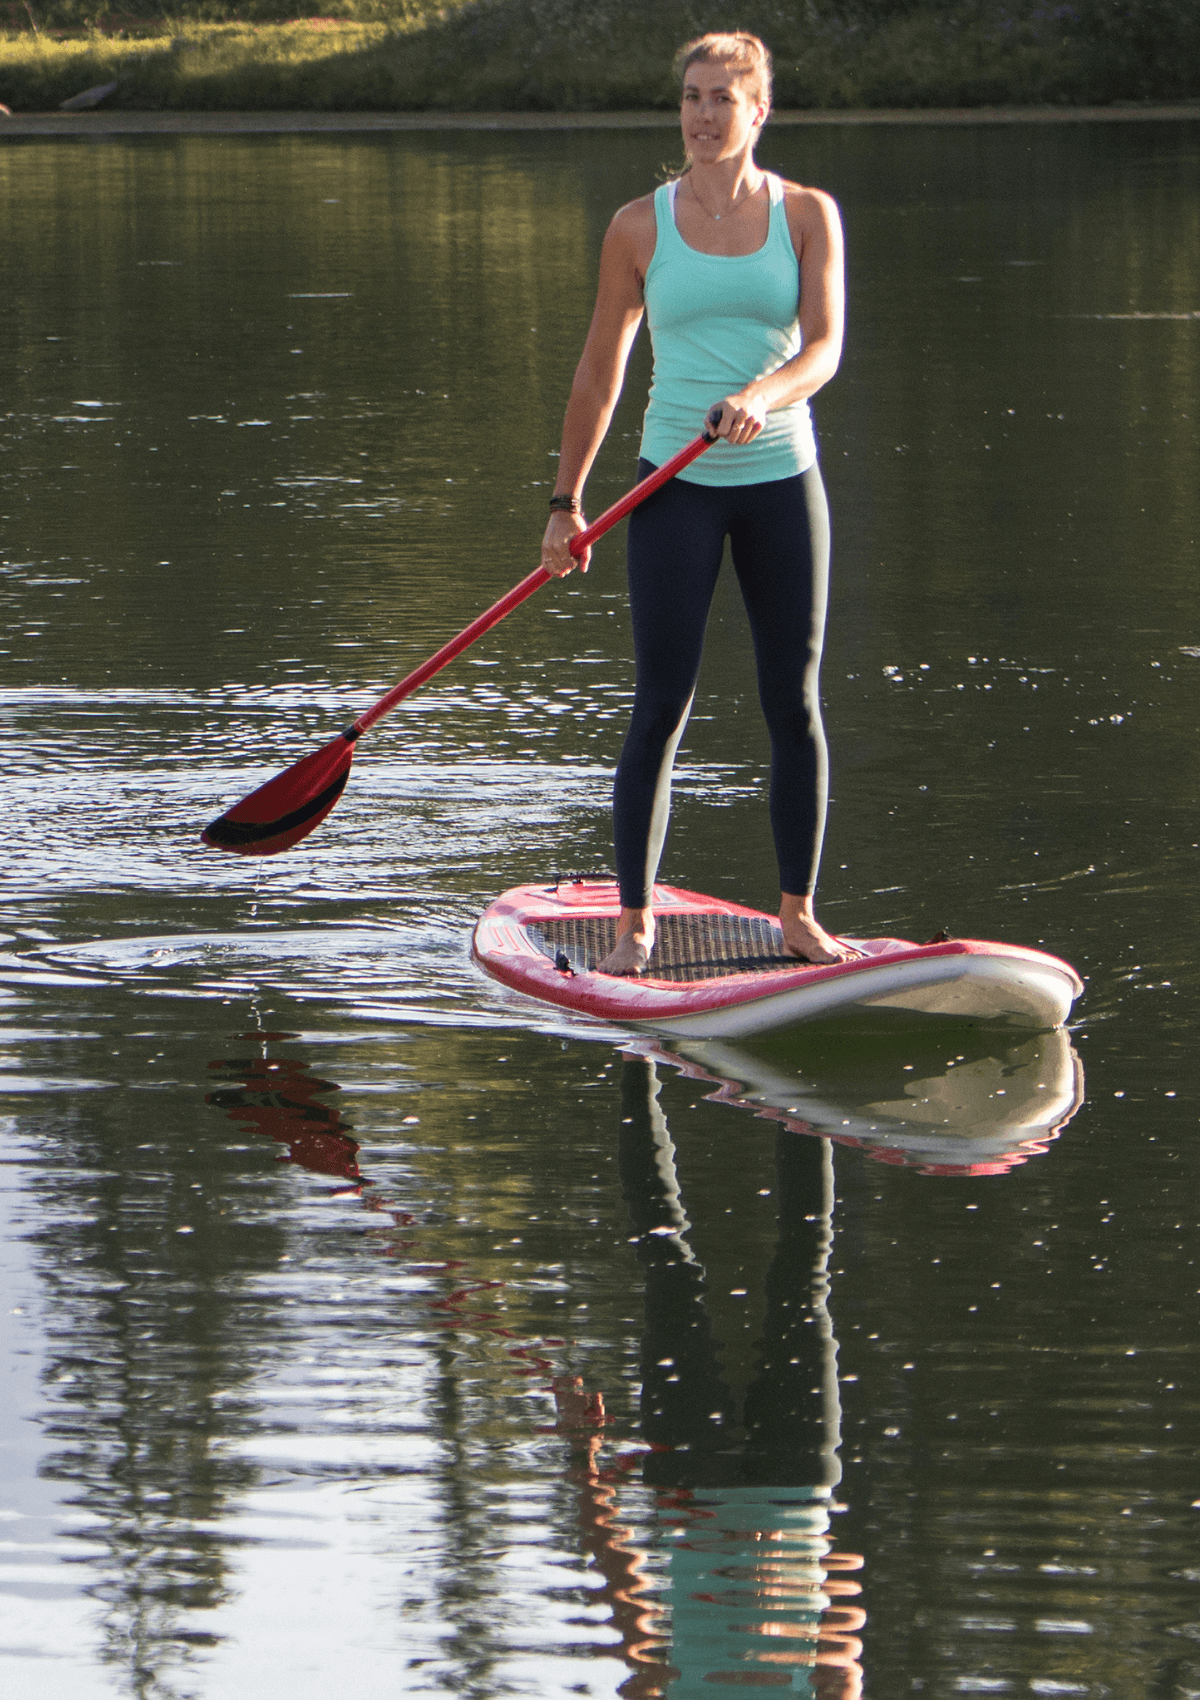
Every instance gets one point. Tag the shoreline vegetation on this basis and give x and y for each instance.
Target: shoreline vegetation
(606, 56)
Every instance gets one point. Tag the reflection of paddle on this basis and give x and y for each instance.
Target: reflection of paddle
(288, 807)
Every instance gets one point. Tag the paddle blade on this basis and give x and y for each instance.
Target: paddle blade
(288, 807)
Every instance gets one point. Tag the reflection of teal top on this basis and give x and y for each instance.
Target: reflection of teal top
(717, 322)
(746, 1590)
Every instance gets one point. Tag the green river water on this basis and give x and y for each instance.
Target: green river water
(367, 1327)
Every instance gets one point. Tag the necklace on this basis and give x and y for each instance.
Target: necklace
(729, 212)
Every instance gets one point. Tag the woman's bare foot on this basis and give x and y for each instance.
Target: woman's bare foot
(635, 941)
(803, 935)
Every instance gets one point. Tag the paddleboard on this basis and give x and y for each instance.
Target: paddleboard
(719, 970)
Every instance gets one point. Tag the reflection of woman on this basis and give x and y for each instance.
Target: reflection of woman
(756, 1595)
(740, 276)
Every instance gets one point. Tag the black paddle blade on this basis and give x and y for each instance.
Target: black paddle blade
(288, 807)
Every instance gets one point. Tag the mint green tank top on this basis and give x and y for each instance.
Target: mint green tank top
(717, 322)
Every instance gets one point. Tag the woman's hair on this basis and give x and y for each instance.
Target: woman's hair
(743, 53)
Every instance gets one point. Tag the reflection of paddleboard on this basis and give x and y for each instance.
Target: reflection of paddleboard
(718, 969)
(996, 1104)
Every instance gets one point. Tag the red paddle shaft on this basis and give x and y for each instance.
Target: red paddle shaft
(288, 807)
(583, 540)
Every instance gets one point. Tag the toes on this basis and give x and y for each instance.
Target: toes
(822, 951)
(629, 960)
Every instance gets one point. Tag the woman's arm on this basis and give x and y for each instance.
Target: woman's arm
(601, 371)
(816, 232)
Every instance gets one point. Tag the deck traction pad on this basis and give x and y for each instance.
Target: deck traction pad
(687, 948)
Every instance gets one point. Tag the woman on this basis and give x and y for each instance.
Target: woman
(740, 275)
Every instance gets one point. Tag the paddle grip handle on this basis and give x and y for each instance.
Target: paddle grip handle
(520, 592)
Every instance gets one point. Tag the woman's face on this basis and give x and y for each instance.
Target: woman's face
(721, 115)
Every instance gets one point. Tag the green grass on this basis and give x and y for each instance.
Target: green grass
(567, 55)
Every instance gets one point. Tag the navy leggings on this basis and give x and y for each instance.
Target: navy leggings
(779, 537)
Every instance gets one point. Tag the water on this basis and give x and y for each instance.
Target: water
(366, 1324)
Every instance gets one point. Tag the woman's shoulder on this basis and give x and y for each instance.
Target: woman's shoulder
(811, 213)
(634, 219)
(632, 234)
(806, 201)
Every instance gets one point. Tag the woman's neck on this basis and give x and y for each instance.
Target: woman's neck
(722, 186)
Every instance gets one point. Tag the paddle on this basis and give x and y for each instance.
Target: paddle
(288, 807)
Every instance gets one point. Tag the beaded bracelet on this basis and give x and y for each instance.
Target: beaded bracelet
(565, 505)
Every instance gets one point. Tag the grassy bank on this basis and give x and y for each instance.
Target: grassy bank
(563, 55)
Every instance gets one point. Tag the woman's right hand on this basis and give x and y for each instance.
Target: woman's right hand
(556, 554)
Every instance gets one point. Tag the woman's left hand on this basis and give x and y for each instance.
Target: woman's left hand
(742, 417)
